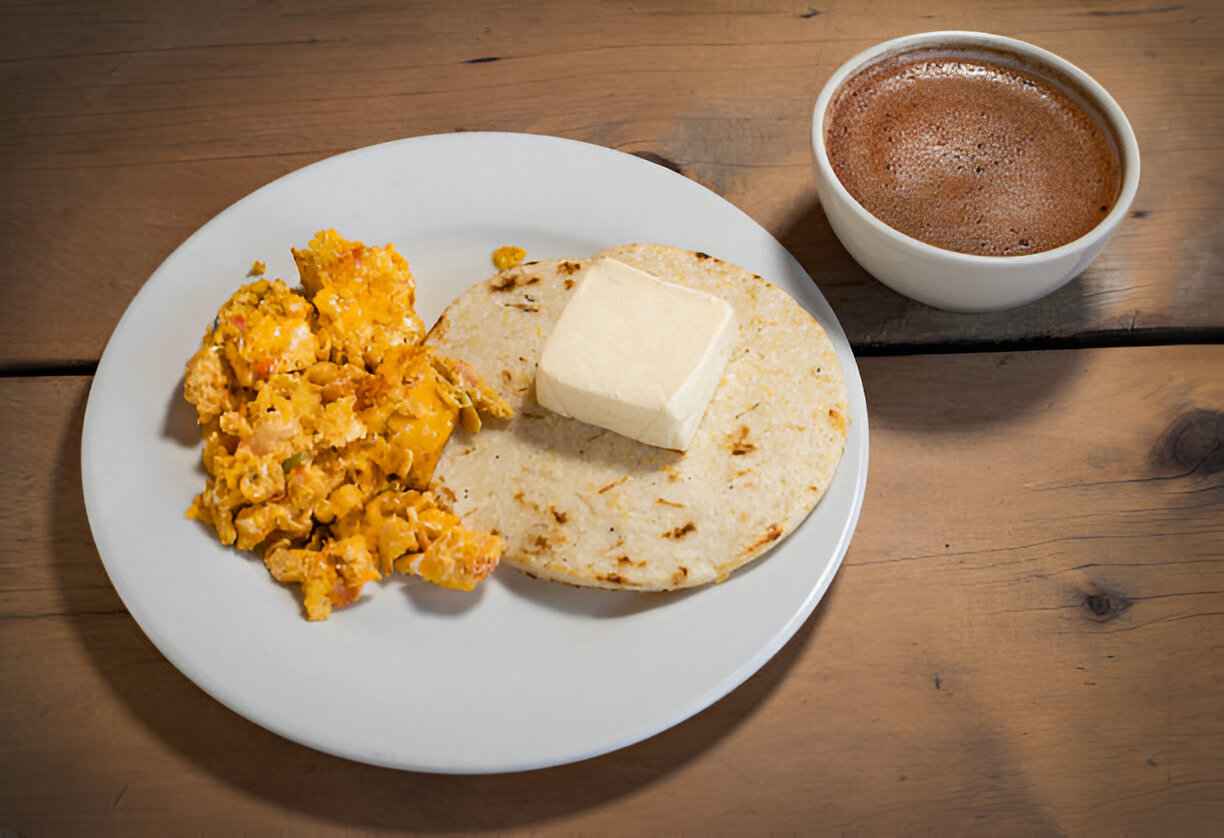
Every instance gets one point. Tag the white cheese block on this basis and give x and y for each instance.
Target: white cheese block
(636, 355)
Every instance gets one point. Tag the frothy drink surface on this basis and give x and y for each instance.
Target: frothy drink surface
(970, 155)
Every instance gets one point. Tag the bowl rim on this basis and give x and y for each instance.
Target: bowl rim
(1090, 87)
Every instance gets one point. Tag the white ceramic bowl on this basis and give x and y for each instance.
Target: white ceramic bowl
(961, 281)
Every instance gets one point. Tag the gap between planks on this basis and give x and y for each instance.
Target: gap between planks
(1110, 339)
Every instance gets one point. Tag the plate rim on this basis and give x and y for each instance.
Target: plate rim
(180, 659)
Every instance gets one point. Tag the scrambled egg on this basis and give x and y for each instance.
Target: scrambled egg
(508, 256)
(323, 418)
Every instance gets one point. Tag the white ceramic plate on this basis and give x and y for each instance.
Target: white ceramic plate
(519, 674)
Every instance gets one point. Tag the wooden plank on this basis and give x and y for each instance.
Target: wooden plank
(129, 125)
(1024, 640)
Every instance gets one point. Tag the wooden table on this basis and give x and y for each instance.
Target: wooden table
(1025, 638)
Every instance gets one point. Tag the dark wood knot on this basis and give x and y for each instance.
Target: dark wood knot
(1105, 606)
(1192, 444)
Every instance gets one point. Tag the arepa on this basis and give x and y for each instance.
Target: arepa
(582, 505)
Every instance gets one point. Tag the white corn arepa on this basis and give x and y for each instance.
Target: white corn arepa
(582, 505)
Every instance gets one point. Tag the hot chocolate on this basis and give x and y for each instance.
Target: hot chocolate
(965, 151)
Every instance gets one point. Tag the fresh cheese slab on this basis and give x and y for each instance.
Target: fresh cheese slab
(636, 355)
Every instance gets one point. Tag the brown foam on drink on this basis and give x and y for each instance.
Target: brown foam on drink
(971, 155)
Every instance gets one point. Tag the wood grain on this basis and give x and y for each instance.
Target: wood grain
(127, 125)
(1024, 640)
